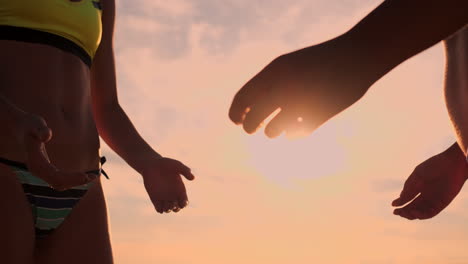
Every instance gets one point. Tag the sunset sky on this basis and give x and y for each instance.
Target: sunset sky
(323, 199)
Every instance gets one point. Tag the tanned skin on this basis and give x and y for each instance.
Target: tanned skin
(439, 179)
(53, 109)
(313, 84)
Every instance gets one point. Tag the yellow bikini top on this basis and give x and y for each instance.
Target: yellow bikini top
(71, 25)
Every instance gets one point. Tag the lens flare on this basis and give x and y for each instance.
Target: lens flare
(284, 160)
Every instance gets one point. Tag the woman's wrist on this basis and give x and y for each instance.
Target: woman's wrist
(142, 162)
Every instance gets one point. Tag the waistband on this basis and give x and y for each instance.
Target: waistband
(42, 37)
(23, 166)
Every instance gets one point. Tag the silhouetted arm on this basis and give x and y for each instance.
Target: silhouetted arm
(112, 122)
(399, 29)
(31, 132)
(456, 84)
(161, 175)
(313, 84)
(439, 179)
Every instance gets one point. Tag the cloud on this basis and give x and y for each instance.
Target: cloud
(156, 8)
(179, 64)
(224, 26)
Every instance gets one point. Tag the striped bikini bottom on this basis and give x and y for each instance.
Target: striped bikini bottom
(49, 207)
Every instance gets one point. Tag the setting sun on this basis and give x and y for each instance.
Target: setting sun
(325, 198)
(285, 160)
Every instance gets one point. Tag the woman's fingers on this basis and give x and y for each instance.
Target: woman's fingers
(62, 181)
(72, 179)
(183, 202)
(182, 169)
(35, 150)
(175, 206)
(37, 127)
(44, 134)
(38, 161)
(165, 186)
(158, 205)
(39, 164)
(170, 206)
(167, 206)
(187, 174)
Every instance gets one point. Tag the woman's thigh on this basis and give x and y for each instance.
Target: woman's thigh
(84, 235)
(16, 221)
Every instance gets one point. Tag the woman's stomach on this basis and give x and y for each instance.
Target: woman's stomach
(55, 85)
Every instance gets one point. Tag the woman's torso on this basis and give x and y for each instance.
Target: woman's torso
(52, 80)
(55, 85)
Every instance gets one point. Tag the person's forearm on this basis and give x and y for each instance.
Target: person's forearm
(116, 129)
(399, 29)
(455, 153)
(456, 84)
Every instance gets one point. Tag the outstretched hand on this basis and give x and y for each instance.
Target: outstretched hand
(34, 134)
(437, 181)
(309, 86)
(163, 182)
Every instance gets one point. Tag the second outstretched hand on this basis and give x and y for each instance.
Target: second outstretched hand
(437, 181)
(163, 181)
(34, 133)
(310, 86)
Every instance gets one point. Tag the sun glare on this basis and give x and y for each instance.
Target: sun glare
(283, 160)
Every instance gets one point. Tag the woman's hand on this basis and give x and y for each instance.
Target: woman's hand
(163, 182)
(309, 86)
(437, 180)
(34, 134)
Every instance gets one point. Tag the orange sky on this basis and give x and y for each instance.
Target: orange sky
(324, 199)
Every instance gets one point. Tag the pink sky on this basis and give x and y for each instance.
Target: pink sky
(324, 199)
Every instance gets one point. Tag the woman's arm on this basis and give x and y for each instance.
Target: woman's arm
(161, 175)
(113, 124)
(456, 84)
(31, 132)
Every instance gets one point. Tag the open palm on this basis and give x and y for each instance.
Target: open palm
(437, 181)
(163, 182)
